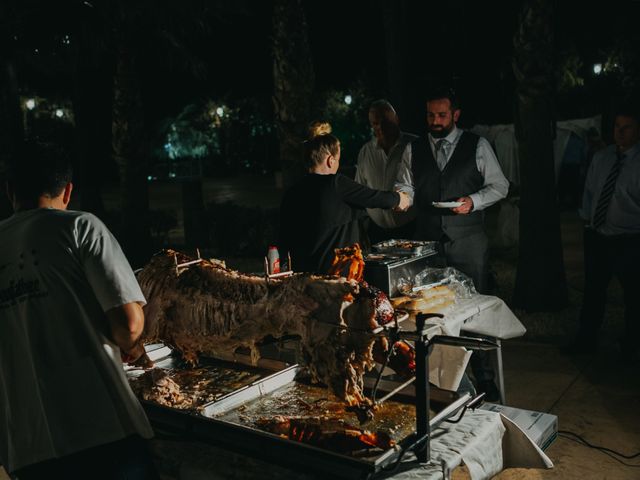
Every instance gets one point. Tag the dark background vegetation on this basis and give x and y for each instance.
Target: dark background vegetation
(161, 91)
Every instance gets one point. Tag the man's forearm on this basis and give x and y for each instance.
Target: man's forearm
(126, 324)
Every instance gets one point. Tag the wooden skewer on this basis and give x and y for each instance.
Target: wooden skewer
(186, 264)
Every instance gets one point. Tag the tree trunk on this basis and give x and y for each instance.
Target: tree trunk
(540, 280)
(293, 83)
(130, 152)
(89, 148)
(394, 17)
(11, 122)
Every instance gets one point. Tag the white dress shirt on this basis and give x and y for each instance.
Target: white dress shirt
(495, 186)
(623, 215)
(378, 170)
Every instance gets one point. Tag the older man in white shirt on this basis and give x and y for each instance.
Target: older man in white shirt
(378, 163)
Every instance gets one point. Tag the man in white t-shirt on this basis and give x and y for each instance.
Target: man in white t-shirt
(70, 311)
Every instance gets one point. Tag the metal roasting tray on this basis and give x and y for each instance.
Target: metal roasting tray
(211, 379)
(226, 415)
(212, 424)
(405, 247)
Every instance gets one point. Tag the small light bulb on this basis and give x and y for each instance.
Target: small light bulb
(31, 104)
(59, 113)
(348, 99)
(220, 111)
(597, 68)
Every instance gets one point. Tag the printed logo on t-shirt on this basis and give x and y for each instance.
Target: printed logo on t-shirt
(20, 290)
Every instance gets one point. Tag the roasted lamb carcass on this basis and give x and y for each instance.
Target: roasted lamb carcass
(211, 310)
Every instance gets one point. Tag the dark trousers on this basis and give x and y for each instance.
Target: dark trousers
(470, 255)
(605, 257)
(127, 459)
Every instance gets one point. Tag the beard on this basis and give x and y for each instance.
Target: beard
(440, 132)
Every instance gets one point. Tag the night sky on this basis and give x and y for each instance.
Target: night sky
(466, 43)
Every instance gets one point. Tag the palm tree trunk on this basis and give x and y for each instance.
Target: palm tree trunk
(540, 279)
(293, 82)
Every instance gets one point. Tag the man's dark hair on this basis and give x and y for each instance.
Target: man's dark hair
(444, 92)
(39, 169)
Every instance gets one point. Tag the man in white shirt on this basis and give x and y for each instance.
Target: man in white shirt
(378, 163)
(611, 208)
(70, 311)
(452, 176)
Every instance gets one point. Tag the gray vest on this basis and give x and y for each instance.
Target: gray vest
(459, 178)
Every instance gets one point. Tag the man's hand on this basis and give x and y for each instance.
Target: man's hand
(126, 323)
(465, 208)
(405, 202)
(134, 354)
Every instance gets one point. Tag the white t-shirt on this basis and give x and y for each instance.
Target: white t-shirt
(62, 386)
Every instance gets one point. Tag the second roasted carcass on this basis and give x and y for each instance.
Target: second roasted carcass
(211, 310)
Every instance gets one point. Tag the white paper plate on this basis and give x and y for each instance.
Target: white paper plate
(446, 204)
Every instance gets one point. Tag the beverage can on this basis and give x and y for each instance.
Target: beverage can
(273, 259)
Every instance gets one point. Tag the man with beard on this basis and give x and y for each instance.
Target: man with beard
(378, 163)
(459, 168)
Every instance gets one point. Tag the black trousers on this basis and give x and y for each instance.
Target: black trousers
(126, 459)
(605, 257)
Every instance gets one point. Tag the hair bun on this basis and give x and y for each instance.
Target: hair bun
(318, 128)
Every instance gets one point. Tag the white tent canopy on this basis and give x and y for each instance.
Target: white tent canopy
(504, 142)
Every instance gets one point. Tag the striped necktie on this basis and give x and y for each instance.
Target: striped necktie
(607, 192)
(441, 153)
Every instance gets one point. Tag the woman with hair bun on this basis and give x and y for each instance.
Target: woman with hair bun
(320, 212)
(318, 127)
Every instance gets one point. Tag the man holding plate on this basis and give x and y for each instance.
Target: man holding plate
(451, 176)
